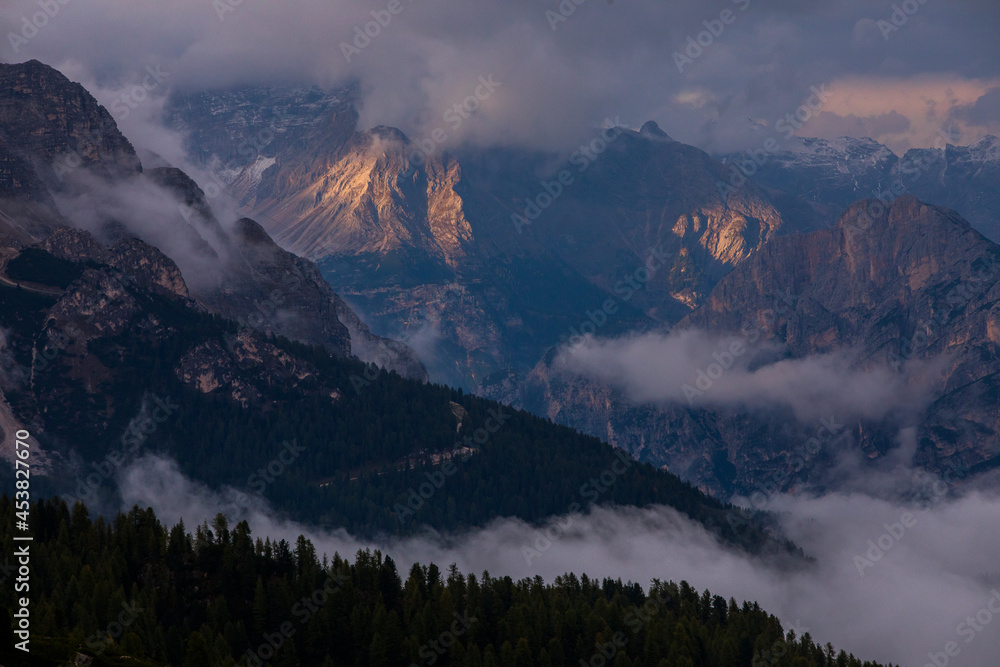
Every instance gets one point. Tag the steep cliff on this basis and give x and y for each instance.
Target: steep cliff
(63, 162)
(480, 258)
(892, 285)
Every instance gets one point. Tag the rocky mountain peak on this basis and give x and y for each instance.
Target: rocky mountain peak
(899, 288)
(51, 127)
(49, 119)
(250, 231)
(650, 129)
(987, 148)
(891, 227)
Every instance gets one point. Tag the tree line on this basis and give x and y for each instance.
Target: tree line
(130, 590)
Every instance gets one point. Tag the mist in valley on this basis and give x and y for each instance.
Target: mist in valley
(888, 580)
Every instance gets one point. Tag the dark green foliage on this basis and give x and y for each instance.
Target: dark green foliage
(134, 587)
(37, 266)
(366, 451)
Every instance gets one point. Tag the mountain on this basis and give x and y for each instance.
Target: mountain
(964, 178)
(817, 179)
(481, 258)
(485, 261)
(73, 166)
(75, 125)
(106, 364)
(888, 287)
(116, 353)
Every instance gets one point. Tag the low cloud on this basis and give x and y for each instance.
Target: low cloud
(701, 369)
(881, 125)
(933, 574)
(148, 211)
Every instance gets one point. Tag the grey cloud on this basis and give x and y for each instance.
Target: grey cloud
(604, 60)
(828, 124)
(691, 367)
(151, 213)
(910, 602)
(984, 111)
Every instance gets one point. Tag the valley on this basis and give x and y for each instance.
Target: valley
(499, 334)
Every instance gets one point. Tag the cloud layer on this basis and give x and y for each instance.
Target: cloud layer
(697, 368)
(931, 573)
(708, 73)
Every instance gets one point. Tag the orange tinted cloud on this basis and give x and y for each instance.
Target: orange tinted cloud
(904, 113)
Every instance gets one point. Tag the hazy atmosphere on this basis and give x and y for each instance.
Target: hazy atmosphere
(563, 67)
(648, 292)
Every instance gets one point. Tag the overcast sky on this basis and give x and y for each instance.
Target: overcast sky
(606, 59)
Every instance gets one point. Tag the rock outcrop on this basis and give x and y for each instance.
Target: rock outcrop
(61, 154)
(894, 285)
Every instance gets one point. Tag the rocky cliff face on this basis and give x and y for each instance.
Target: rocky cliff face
(817, 179)
(69, 164)
(57, 125)
(364, 202)
(648, 192)
(139, 262)
(965, 178)
(894, 285)
(18, 180)
(468, 256)
(72, 342)
(484, 260)
(50, 127)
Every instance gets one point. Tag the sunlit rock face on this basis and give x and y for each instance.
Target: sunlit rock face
(481, 258)
(817, 179)
(897, 286)
(64, 163)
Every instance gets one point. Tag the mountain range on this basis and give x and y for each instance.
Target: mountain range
(819, 178)
(227, 356)
(622, 327)
(489, 265)
(482, 260)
